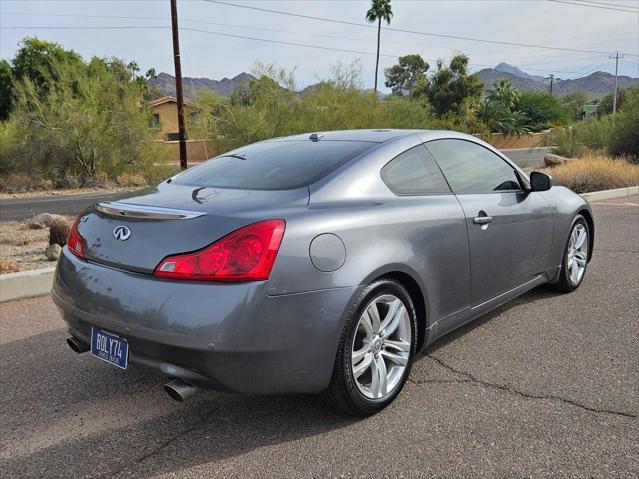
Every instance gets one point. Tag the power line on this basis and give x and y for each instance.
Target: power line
(439, 35)
(544, 70)
(267, 40)
(594, 6)
(608, 4)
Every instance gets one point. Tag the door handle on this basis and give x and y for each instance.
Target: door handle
(482, 220)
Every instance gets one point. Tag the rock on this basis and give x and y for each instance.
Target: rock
(59, 231)
(43, 220)
(554, 160)
(53, 252)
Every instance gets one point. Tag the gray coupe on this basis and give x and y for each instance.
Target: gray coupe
(316, 263)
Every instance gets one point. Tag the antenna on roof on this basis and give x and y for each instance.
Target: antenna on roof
(315, 137)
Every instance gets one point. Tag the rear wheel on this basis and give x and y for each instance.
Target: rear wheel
(575, 260)
(375, 351)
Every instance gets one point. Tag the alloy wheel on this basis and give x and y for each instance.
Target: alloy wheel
(577, 255)
(381, 346)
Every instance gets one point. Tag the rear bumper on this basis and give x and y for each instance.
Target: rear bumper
(227, 336)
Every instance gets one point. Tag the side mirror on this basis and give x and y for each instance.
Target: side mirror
(540, 181)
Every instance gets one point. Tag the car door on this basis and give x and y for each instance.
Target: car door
(435, 224)
(509, 230)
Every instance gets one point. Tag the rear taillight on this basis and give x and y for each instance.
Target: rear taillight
(75, 242)
(246, 254)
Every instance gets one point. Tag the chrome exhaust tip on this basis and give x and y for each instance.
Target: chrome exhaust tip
(77, 345)
(180, 390)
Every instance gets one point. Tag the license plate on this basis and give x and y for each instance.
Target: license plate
(109, 347)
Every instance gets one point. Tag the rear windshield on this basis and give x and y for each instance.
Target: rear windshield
(277, 165)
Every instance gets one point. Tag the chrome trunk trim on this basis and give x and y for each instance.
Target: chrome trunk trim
(124, 210)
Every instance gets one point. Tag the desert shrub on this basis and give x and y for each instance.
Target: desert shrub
(90, 125)
(625, 137)
(402, 112)
(59, 231)
(269, 107)
(586, 135)
(594, 173)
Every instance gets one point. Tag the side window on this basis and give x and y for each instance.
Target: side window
(414, 172)
(471, 168)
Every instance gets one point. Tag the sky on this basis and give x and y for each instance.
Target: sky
(570, 24)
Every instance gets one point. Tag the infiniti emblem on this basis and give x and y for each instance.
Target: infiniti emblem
(122, 233)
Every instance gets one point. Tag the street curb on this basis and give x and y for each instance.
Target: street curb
(610, 194)
(25, 284)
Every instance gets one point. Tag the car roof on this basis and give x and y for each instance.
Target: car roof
(379, 135)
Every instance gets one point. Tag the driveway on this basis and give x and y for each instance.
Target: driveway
(546, 386)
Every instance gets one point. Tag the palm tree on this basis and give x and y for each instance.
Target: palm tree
(505, 93)
(380, 10)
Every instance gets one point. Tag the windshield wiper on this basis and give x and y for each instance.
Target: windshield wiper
(239, 157)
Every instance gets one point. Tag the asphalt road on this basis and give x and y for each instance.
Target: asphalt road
(16, 209)
(546, 386)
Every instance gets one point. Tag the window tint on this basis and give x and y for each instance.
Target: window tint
(471, 168)
(414, 172)
(275, 165)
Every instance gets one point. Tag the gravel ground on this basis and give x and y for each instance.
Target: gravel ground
(546, 386)
(24, 246)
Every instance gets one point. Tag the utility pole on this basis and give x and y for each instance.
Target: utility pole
(614, 99)
(552, 78)
(178, 85)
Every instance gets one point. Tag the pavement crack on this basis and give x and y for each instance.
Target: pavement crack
(161, 447)
(438, 381)
(471, 378)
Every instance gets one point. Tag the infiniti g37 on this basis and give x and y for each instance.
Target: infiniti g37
(316, 263)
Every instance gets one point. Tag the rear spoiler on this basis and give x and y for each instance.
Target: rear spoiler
(124, 210)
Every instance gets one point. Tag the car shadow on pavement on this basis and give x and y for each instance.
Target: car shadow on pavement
(71, 415)
(537, 294)
(83, 417)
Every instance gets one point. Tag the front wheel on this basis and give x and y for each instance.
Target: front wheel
(375, 351)
(575, 260)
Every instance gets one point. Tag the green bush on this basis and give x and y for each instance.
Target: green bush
(625, 138)
(586, 135)
(543, 110)
(90, 124)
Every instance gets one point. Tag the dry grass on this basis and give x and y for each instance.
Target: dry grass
(8, 266)
(131, 179)
(20, 236)
(596, 173)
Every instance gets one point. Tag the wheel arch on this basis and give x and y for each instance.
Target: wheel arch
(591, 229)
(408, 280)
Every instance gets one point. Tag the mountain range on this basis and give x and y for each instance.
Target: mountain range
(595, 85)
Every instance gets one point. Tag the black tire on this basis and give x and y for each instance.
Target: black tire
(565, 284)
(343, 394)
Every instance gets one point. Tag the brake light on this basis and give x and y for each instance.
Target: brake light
(247, 254)
(75, 242)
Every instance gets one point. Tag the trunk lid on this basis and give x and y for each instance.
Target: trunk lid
(171, 219)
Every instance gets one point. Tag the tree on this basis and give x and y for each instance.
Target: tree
(407, 75)
(451, 90)
(504, 93)
(6, 89)
(543, 109)
(35, 58)
(380, 10)
(500, 119)
(90, 123)
(575, 102)
(605, 105)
